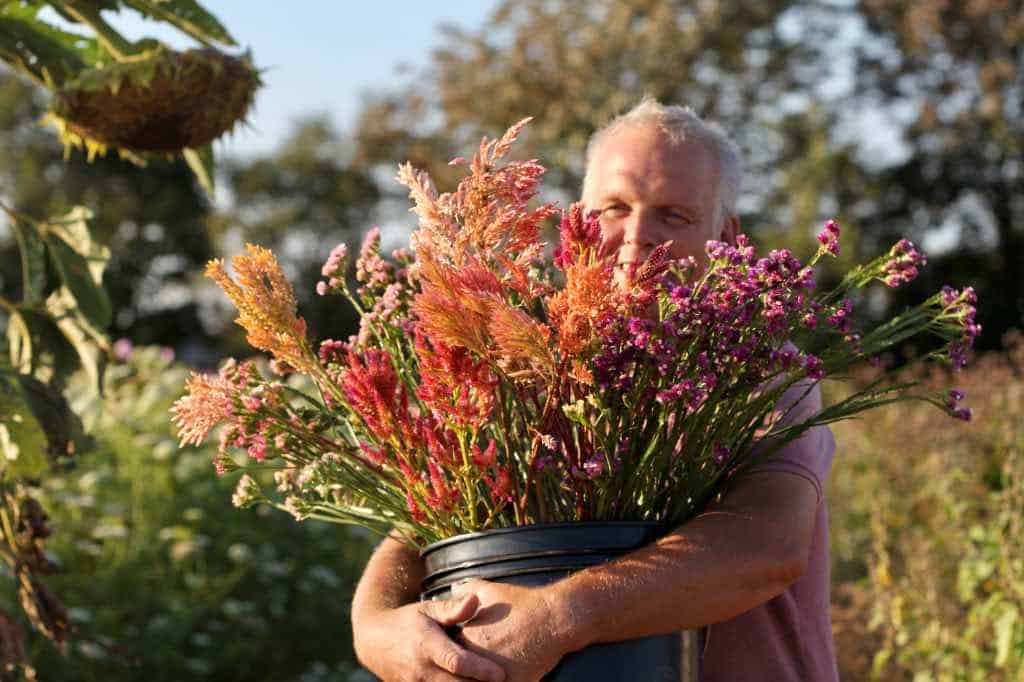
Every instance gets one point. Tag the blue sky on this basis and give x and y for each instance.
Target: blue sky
(321, 55)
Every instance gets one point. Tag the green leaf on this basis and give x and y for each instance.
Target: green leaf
(61, 427)
(188, 16)
(80, 263)
(41, 51)
(201, 163)
(91, 345)
(22, 438)
(1004, 627)
(39, 348)
(33, 262)
(73, 228)
(19, 342)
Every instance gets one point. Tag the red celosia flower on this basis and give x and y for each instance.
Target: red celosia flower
(453, 384)
(371, 388)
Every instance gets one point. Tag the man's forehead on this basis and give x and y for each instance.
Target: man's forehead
(647, 161)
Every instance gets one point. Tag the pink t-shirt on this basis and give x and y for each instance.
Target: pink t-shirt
(788, 638)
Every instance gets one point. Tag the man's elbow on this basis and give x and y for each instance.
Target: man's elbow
(785, 566)
(775, 569)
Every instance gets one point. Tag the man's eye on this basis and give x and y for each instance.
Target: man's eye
(615, 210)
(677, 217)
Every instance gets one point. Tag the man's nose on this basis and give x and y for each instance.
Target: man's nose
(640, 231)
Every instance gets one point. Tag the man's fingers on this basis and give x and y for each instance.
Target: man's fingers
(456, 660)
(451, 611)
(437, 675)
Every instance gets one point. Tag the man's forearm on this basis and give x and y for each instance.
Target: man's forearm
(713, 568)
(391, 579)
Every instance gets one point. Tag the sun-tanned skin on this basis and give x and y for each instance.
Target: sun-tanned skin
(744, 550)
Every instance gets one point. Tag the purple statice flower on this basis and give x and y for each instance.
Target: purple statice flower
(963, 413)
(682, 391)
(715, 249)
(813, 366)
(958, 355)
(721, 453)
(805, 279)
(959, 306)
(640, 331)
(955, 396)
(594, 466)
(829, 238)
(783, 358)
(902, 266)
(840, 315)
(543, 462)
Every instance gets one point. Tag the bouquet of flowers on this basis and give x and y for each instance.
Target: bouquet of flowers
(490, 386)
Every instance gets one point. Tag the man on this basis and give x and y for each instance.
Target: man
(753, 567)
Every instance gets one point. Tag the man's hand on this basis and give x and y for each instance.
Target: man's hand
(514, 626)
(408, 644)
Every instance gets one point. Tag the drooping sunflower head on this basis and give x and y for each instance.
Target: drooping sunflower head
(164, 101)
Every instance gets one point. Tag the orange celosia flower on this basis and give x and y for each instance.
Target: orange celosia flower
(454, 304)
(590, 295)
(266, 304)
(520, 340)
(488, 213)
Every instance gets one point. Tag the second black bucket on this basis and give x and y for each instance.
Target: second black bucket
(540, 554)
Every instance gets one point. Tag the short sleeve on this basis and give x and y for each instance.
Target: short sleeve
(810, 455)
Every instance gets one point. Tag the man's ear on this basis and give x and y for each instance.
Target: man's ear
(730, 228)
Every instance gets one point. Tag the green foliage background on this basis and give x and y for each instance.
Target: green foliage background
(165, 571)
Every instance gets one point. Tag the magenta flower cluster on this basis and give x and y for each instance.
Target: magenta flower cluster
(959, 307)
(905, 260)
(829, 238)
(731, 324)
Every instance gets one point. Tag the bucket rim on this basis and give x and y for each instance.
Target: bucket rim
(464, 537)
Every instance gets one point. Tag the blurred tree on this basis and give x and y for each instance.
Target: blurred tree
(153, 218)
(574, 66)
(955, 72)
(816, 94)
(300, 201)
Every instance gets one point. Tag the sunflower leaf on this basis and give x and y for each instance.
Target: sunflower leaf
(43, 52)
(188, 16)
(33, 262)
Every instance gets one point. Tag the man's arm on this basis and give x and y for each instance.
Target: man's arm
(398, 638)
(740, 553)
(391, 578)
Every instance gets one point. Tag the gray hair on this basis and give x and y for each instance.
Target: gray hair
(679, 124)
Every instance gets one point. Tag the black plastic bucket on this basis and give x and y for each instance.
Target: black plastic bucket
(540, 554)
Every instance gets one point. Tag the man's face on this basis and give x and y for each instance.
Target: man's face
(649, 191)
